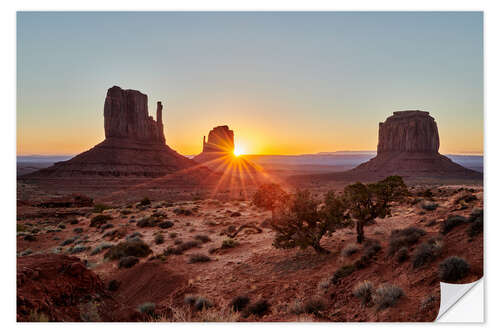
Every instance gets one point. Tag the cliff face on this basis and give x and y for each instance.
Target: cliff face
(408, 131)
(134, 145)
(220, 140)
(126, 116)
(408, 146)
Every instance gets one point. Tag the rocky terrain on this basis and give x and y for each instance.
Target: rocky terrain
(132, 231)
(213, 260)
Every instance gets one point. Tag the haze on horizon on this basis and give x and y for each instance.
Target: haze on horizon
(286, 83)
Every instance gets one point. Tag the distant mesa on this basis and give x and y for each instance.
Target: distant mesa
(408, 145)
(134, 144)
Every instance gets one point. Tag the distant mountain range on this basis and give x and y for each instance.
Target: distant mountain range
(344, 159)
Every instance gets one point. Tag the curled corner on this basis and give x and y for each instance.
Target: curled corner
(451, 294)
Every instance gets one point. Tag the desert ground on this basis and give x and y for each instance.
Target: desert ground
(211, 258)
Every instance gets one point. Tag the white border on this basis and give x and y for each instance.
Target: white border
(7, 132)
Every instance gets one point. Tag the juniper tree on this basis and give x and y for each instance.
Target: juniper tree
(303, 220)
(367, 202)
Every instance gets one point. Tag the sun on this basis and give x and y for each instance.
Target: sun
(238, 150)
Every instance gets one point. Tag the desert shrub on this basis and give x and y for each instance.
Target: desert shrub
(78, 249)
(36, 316)
(173, 235)
(349, 250)
(239, 303)
(73, 221)
(135, 248)
(452, 222)
(178, 241)
(99, 220)
(324, 284)
(387, 295)
(314, 305)
(198, 257)
(29, 238)
(69, 241)
(429, 205)
(99, 208)
(159, 239)
(258, 308)
(424, 254)
(404, 237)
(165, 224)
(145, 202)
(364, 291)
(26, 252)
(188, 245)
(113, 285)
(190, 299)
(126, 212)
(181, 247)
(147, 308)
(134, 236)
(229, 243)
(426, 194)
(371, 248)
(107, 226)
(202, 238)
(342, 272)
(21, 228)
(183, 211)
(198, 302)
(367, 202)
(61, 226)
(453, 269)
(127, 262)
(402, 254)
(146, 222)
(78, 230)
(428, 302)
(89, 312)
(475, 214)
(476, 223)
(466, 198)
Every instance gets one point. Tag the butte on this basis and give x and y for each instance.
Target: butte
(408, 145)
(218, 154)
(134, 148)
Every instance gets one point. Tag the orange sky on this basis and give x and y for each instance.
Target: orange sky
(286, 83)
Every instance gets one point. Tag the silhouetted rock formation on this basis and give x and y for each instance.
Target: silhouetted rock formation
(218, 153)
(220, 140)
(408, 145)
(134, 144)
(126, 117)
(219, 146)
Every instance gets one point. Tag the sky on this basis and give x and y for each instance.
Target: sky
(285, 82)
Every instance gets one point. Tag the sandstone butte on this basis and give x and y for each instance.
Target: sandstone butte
(408, 145)
(219, 146)
(218, 154)
(134, 144)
